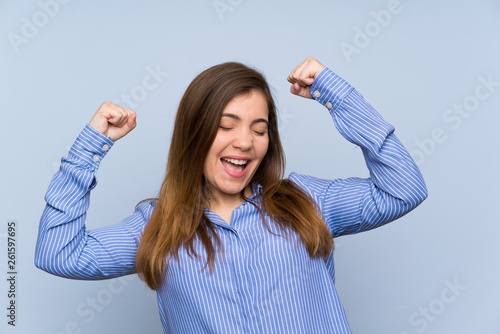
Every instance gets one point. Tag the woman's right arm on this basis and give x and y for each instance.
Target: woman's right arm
(64, 246)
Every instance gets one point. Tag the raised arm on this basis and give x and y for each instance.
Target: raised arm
(64, 246)
(395, 185)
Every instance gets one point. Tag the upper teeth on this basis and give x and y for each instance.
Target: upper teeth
(235, 161)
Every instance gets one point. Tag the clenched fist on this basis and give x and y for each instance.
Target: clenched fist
(303, 76)
(113, 121)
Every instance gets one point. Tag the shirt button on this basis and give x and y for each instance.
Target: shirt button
(105, 148)
(316, 93)
(96, 158)
(328, 105)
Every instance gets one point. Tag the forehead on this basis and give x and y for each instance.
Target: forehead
(251, 105)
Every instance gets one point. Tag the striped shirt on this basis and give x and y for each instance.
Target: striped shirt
(261, 283)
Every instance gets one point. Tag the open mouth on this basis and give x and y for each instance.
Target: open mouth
(234, 165)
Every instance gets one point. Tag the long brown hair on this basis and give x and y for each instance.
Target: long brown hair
(178, 217)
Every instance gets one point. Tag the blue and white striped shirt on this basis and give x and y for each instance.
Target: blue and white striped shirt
(262, 283)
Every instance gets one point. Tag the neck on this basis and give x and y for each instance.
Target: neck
(220, 201)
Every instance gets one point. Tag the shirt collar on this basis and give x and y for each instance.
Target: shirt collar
(256, 190)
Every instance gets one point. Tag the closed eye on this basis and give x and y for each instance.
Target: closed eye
(224, 128)
(260, 133)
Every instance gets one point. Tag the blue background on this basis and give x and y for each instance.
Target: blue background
(60, 60)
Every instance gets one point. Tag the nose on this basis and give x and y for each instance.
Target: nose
(243, 140)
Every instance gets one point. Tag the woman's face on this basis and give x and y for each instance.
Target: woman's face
(239, 146)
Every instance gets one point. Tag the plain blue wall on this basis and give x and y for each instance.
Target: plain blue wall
(433, 271)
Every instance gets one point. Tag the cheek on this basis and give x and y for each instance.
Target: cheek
(262, 148)
(221, 141)
(210, 159)
(216, 147)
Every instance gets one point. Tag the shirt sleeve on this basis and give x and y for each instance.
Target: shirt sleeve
(395, 186)
(64, 246)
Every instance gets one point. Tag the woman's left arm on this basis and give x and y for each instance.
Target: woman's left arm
(395, 186)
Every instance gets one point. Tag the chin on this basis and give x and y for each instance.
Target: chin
(233, 189)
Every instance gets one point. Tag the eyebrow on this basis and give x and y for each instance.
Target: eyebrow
(236, 117)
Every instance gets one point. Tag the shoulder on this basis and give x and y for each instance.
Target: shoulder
(315, 187)
(138, 220)
(323, 189)
(145, 208)
(309, 183)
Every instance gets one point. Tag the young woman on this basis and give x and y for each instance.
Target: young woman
(229, 245)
